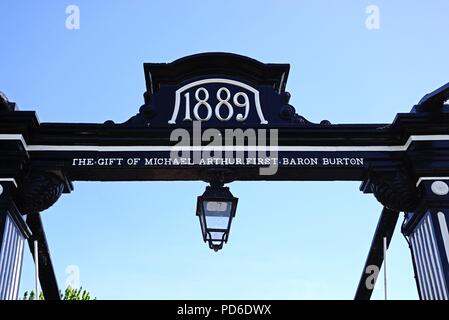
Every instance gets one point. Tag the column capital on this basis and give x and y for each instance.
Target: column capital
(394, 189)
(435, 192)
(7, 187)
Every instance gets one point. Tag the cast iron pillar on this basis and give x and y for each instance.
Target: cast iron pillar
(13, 233)
(427, 231)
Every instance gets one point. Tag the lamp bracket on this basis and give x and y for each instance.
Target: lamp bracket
(218, 177)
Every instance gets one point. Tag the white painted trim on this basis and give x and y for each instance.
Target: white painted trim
(437, 256)
(226, 148)
(281, 82)
(14, 137)
(444, 231)
(421, 179)
(9, 180)
(426, 265)
(418, 258)
(209, 148)
(431, 257)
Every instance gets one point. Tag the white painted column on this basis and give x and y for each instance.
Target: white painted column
(12, 243)
(428, 234)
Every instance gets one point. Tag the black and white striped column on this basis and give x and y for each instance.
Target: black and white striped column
(427, 230)
(13, 233)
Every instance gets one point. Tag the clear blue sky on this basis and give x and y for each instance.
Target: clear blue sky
(300, 240)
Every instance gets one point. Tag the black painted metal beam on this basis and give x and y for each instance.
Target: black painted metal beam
(434, 101)
(385, 228)
(47, 275)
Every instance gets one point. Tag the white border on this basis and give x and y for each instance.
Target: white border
(9, 180)
(444, 231)
(14, 137)
(421, 179)
(221, 148)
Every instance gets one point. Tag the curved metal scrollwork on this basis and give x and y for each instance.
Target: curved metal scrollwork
(288, 112)
(396, 191)
(39, 191)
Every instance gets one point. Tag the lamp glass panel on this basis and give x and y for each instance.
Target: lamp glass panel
(202, 222)
(217, 214)
(216, 236)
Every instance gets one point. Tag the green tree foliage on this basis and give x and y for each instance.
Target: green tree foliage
(69, 294)
(32, 296)
(76, 294)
